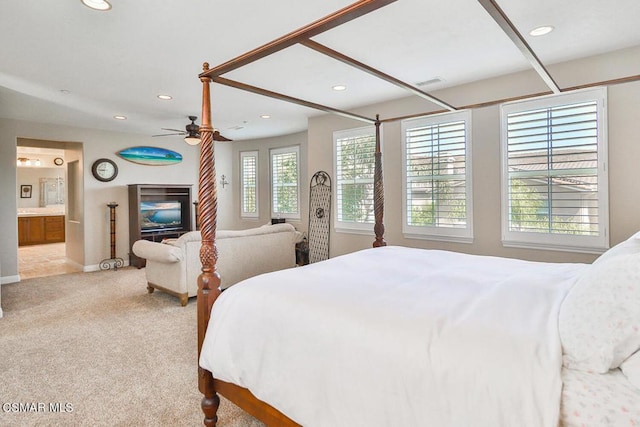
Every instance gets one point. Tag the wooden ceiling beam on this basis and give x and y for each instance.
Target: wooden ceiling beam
(510, 30)
(611, 82)
(349, 13)
(280, 96)
(377, 73)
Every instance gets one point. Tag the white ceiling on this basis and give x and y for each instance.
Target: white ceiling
(117, 62)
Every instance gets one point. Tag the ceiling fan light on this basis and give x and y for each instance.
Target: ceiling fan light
(97, 4)
(192, 140)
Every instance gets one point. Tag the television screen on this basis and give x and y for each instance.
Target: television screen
(160, 215)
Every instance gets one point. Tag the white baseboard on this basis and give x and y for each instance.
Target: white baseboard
(9, 279)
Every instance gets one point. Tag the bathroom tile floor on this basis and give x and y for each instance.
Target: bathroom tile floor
(43, 260)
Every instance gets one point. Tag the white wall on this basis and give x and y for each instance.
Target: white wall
(93, 226)
(624, 154)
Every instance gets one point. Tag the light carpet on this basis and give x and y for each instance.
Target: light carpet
(95, 349)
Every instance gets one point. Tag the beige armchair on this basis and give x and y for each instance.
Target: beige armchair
(174, 265)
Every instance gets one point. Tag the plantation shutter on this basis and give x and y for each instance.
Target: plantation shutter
(355, 165)
(436, 180)
(249, 176)
(552, 163)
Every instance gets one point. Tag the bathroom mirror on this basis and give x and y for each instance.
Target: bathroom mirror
(51, 191)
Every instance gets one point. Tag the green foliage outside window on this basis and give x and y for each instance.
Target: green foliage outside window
(529, 212)
(440, 204)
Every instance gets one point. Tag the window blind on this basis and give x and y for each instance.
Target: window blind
(552, 162)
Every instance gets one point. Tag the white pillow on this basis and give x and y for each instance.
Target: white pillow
(599, 320)
(628, 247)
(631, 369)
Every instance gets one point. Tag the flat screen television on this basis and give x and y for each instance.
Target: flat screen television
(160, 215)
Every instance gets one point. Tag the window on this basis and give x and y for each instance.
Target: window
(285, 191)
(437, 177)
(249, 184)
(354, 154)
(554, 183)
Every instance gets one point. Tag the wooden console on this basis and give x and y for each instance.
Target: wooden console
(139, 193)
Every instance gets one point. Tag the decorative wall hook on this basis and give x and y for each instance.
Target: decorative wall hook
(223, 181)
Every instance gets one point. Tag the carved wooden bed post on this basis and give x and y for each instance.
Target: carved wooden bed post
(209, 279)
(378, 192)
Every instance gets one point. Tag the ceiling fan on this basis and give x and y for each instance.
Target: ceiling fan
(192, 133)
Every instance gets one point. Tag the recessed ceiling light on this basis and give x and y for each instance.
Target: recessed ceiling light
(541, 31)
(165, 97)
(339, 87)
(120, 117)
(265, 116)
(97, 4)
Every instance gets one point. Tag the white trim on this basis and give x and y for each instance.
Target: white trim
(362, 232)
(550, 247)
(91, 268)
(362, 228)
(5, 280)
(451, 239)
(549, 241)
(440, 233)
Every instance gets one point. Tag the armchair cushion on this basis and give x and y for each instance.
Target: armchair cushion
(155, 252)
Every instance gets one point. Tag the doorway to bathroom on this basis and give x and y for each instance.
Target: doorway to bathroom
(44, 213)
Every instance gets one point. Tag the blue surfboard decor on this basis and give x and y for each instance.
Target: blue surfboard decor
(150, 156)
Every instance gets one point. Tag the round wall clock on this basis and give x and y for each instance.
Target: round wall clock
(104, 170)
(58, 161)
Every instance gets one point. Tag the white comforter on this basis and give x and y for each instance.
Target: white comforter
(397, 337)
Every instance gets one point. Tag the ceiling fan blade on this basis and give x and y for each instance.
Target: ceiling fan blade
(168, 134)
(174, 130)
(218, 137)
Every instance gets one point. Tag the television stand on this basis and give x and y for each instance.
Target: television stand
(139, 193)
(160, 235)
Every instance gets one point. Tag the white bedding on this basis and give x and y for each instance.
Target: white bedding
(397, 337)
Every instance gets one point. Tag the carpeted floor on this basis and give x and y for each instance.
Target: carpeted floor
(101, 351)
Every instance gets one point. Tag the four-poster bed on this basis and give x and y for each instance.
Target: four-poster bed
(487, 270)
(209, 280)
